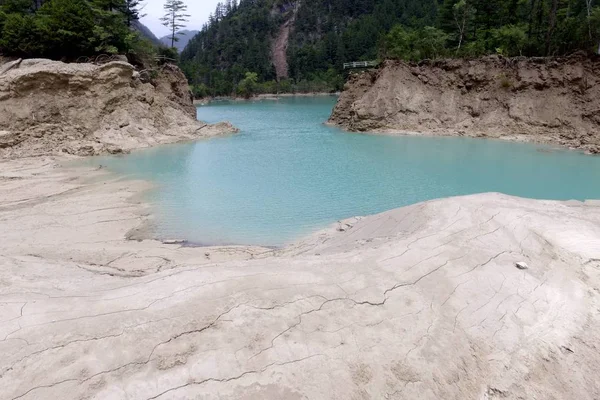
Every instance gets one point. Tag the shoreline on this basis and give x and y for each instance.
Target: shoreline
(515, 138)
(264, 96)
(105, 316)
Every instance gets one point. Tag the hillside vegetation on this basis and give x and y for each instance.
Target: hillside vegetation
(326, 33)
(69, 29)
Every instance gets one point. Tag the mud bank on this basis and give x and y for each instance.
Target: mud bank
(555, 101)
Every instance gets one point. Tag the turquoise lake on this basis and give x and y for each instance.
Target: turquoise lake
(286, 174)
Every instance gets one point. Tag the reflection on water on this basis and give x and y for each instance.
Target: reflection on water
(287, 174)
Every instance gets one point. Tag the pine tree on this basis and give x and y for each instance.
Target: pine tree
(132, 9)
(174, 18)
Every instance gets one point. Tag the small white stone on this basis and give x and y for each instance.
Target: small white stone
(522, 265)
(173, 241)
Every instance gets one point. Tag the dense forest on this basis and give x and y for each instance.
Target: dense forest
(233, 50)
(69, 29)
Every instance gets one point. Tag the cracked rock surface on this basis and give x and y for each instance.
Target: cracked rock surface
(421, 302)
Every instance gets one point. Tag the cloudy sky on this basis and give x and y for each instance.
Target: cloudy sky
(198, 9)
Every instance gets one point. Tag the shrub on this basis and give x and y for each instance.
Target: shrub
(505, 81)
(168, 53)
(247, 86)
(510, 40)
(413, 45)
(199, 91)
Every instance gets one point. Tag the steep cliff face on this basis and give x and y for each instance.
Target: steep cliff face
(539, 100)
(50, 107)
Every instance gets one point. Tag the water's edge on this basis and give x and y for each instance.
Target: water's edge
(213, 184)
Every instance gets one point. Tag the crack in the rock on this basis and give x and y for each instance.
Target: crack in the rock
(454, 291)
(501, 327)
(241, 375)
(299, 316)
(95, 315)
(148, 359)
(365, 302)
(54, 348)
(280, 305)
(418, 279)
(18, 316)
(483, 264)
(43, 387)
(457, 314)
(194, 331)
(80, 341)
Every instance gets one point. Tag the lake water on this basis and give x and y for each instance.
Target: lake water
(286, 174)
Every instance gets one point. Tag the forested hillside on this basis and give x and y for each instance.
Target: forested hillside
(233, 51)
(69, 29)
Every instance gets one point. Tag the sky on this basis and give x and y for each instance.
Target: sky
(198, 9)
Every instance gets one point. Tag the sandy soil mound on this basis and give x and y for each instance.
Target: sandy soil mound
(540, 100)
(50, 107)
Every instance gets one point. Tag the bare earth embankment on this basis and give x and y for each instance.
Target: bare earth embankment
(50, 107)
(555, 101)
(421, 302)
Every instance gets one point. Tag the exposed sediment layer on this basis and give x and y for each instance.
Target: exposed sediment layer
(420, 302)
(545, 100)
(49, 107)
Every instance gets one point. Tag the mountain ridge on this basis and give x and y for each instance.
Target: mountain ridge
(184, 36)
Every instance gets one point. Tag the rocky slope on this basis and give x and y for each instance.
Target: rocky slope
(539, 100)
(50, 107)
(422, 302)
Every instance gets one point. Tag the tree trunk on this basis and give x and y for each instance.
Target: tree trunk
(173, 31)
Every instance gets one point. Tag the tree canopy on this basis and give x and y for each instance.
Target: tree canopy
(66, 29)
(175, 18)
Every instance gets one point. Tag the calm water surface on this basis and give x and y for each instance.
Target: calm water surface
(286, 174)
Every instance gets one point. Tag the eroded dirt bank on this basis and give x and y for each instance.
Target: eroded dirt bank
(542, 100)
(50, 107)
(420, 302)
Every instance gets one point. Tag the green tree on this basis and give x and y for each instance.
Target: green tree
(67, 28)
(247, 86)
(463, 12)
(16, 6)
(510, 40)
(21, 36)
(132, 10)
(415, 44)
(175, 18)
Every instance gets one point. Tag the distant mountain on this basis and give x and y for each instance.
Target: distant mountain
(184, 38)
(145, 32)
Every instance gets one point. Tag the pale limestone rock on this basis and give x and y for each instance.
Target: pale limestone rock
(422, 302)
